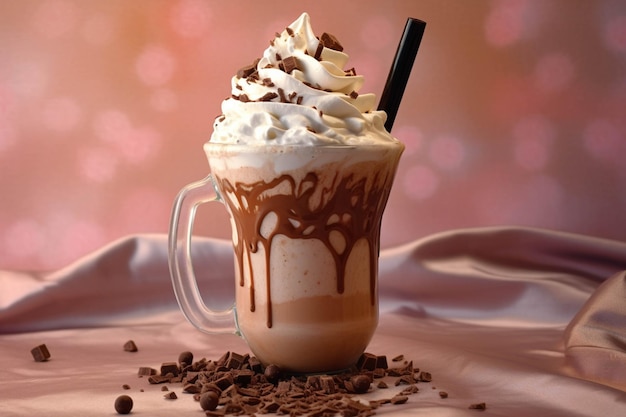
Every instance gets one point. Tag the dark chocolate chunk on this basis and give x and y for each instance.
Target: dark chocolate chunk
(367, 361)
(40, 353)
(130, 346)
(146, 371)
(123, 404)
(168, 368)
(329, 41)
(289, 64)
(361, 383)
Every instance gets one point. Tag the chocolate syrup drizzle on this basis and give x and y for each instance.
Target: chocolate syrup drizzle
(349, 205)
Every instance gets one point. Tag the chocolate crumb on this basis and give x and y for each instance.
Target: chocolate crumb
(171, 396)
(130, 346)
(354, 94)
(443, 394)
(398, 358)
(164, 388)
(125, 386)
(40, 353)
(478, 406)
(123, 404)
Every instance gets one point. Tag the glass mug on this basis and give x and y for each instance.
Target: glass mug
(306, 236)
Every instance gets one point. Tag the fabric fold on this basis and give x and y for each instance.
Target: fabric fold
(595, 339)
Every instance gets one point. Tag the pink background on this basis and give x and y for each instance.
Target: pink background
(515, 113)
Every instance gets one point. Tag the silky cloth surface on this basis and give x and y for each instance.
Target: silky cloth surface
(531, 322)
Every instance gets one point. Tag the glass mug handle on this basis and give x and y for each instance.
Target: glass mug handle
(181, 268)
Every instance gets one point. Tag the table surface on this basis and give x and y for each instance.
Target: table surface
(495, 315)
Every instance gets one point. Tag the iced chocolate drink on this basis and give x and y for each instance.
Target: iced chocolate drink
(304, 166)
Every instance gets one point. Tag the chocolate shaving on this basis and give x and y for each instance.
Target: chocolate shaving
(269, 96)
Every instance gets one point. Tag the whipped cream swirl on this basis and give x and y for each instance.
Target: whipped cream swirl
(299, 93)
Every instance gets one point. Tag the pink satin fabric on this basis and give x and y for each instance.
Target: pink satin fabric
(530, 321)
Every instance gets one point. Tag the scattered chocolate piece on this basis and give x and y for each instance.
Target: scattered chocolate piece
(398, 358)
(40, 353)
(164, 388)
(169, 368)
(125, 386)
(329, 41)
(238, 384)
(367, 361)
(399, 399)
(170, 396)
(123, 404)
(478, 406)
(146, 371)
(361, 383)
(130, 346)
(443, 394)
(354, 94)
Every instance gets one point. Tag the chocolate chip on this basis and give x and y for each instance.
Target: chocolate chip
(123, 404)
(443, 394)
(40, 353)
(329, 41)
(125, 386)
(209, 401)
(272, 373)
(478, 406)
(130, 346)
(185, 358)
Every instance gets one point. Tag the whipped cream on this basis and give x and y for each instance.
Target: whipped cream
(298, 93)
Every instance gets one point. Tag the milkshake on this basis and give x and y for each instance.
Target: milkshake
(304, 165)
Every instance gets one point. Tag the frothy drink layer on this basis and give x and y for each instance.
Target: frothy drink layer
(306, 225)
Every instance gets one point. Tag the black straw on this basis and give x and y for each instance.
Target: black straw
(401, 69)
